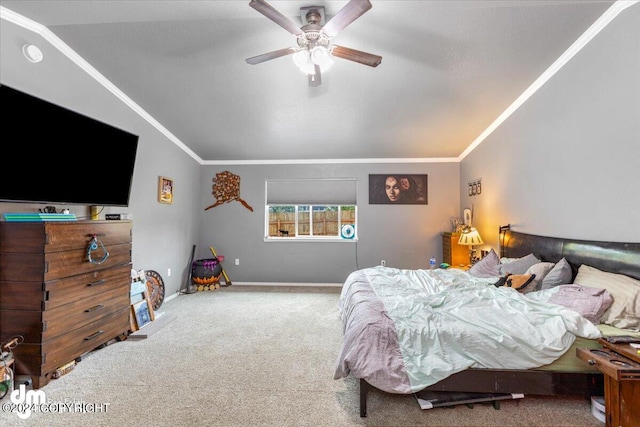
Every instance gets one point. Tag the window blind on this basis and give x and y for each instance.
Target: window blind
(326, 191)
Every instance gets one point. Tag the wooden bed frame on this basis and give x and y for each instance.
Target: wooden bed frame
(623, 258)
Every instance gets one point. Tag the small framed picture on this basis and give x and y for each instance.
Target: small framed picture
(165, 190)
(142, 313)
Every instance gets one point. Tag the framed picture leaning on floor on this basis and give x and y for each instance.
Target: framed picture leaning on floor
(142, 313)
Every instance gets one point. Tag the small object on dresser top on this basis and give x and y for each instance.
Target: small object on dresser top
(37, 217)
(118, 216)
(622, 339)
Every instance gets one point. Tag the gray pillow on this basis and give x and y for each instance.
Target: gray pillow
(520, 266)
(560, 274)
(487, 266)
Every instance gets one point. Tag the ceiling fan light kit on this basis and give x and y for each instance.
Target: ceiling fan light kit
(314, 54)
(306, 59)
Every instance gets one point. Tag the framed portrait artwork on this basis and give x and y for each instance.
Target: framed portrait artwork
(398, 189)
(165, 190)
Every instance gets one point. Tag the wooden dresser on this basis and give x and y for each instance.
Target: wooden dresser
(452, 253)
(51, 294)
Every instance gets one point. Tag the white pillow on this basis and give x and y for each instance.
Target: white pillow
(540, 269)
(519, 266)
(624, 313)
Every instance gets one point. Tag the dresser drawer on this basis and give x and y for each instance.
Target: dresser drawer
(39, 237)
(41, 326)
(67, 347)
(40, 359)
(54, 293)
(68, 317)
(31, 267)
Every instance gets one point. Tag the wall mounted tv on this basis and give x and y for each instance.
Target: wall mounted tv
(52, 155)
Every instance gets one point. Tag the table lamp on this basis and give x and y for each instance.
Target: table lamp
(470, 237)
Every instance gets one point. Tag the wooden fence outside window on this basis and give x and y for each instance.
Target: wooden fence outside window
(325, 223)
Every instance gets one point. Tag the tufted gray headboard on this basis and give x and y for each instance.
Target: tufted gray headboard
(614, 257)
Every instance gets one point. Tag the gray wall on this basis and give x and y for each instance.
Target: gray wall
(405, 236)
(162, 234)
(567, 163)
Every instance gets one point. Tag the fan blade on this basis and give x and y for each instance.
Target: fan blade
(345, 16)
(269, 56)
(357, 56)
(270, 12)
(315, 79)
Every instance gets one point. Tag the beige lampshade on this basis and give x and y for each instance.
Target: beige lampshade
(470, 238)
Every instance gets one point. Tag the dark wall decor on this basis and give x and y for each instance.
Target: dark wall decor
(226, 188)
(398, 189)
(475, 187)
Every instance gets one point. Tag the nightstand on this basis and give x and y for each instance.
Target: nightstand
(453, 253)
(620, 364)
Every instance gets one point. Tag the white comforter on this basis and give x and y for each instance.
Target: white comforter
(405, 330)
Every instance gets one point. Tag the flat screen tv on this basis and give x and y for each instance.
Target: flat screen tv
(50, 154)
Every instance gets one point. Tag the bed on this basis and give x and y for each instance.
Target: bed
(451, 330)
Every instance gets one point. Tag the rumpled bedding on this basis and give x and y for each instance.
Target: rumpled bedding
(405, 330)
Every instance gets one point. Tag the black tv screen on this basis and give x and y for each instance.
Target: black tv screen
(51, 154)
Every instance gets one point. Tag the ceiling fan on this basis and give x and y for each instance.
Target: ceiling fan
(315, 51)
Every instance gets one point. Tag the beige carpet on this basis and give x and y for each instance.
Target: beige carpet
(255, 357)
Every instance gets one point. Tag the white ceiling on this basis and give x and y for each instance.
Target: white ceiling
(449, 69)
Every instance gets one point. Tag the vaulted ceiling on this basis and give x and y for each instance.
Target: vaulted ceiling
(449, 70)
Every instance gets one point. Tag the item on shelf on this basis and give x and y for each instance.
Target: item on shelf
(37, 217)
(118, 216)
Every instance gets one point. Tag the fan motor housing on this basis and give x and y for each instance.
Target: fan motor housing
(312, 15)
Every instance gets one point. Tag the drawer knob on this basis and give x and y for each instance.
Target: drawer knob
(591, 362)
(95, 307)
(92, 336)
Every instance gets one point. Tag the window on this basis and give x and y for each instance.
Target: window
(310, 209)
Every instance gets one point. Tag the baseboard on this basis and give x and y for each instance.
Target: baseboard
(275, 286)
(170, 297)
(284, 287)
(292, 284)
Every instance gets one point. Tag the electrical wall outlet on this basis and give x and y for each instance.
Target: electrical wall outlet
(237, 261)
(383, 263)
